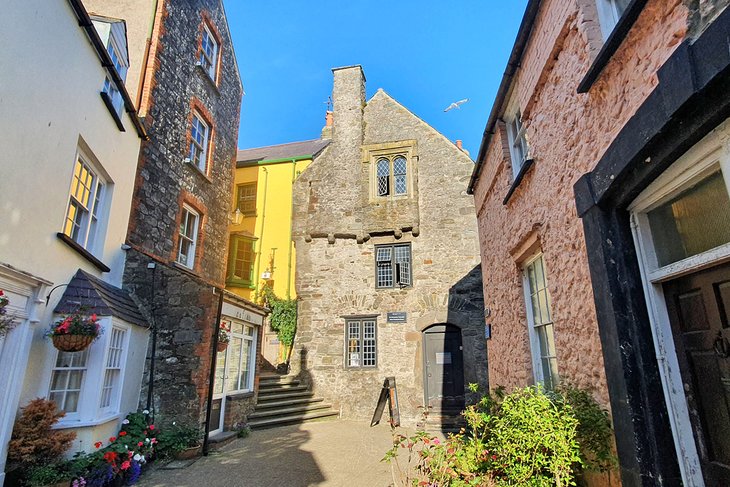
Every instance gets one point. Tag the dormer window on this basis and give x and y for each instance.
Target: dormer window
(392, 176)
(609, 13)
(113, 34)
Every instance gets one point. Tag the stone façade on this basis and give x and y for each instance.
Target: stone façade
(181, 301)
(336, 224)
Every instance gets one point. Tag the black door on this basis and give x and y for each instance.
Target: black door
(444, 381)
(699, 308)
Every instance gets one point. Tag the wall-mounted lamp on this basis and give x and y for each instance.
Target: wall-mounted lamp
(236, 217)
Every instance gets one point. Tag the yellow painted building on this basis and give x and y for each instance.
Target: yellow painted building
(261, 250)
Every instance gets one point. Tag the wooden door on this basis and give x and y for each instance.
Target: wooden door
(444, 367)
(699, 309)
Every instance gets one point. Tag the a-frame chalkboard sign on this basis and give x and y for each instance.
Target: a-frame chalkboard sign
(388, 394)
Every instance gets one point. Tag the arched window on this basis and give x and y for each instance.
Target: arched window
(392, 176)
(383, 177)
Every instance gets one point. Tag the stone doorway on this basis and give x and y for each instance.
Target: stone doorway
(443, 380)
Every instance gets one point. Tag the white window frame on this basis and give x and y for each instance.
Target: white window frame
(198, 154)
(251, 340)
(608, 16)
(190, 256)
(90, 412)
(536, 351)
(518, 147)
(700, 161)
(121, 66)
(93, 214)
(210, 60)
(360, 323)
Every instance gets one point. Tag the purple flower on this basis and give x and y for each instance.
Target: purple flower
(134, 472)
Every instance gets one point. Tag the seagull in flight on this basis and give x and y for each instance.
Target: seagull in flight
(456, 104)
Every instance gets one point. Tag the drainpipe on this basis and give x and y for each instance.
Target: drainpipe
(261, 239)
(153, 353)
(291, 215)
(211, 377)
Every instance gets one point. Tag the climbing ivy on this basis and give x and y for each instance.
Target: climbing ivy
(283, 316)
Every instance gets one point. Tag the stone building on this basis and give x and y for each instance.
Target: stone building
(387, 271)
(189, 92)
(602, 207)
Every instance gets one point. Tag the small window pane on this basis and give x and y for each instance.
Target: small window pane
(383, 170)
(383, 254)
(695, 221)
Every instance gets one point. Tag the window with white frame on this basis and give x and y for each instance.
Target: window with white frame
(609, 13)
(113, 368)
(540, 323)
(188, 236)
(391, 174)
(361, 342)
(209, 53)
(85, 204)
(87, 385)
(517, 142)
(393, 266)
(199, 141)
(110, 87)
(240, 357)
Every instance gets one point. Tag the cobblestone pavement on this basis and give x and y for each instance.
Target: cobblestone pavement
(330, 453)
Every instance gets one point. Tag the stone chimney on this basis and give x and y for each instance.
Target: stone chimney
(348, 98)
(327, 129)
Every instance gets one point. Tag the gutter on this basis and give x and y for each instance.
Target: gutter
(515, 58)
(85, 22)
(266, 162)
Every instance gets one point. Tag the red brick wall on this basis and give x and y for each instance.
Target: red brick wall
(567, 133)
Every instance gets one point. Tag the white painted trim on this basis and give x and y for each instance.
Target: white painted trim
(692, 166)
(537, 371)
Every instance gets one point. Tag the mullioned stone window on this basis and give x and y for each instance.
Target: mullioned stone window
(392, 169)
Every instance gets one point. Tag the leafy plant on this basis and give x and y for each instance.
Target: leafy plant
(594, 432)
(34, 441)
(283, 317)
(7, 323)
(177, 438)
(77, 323)
(47, 474)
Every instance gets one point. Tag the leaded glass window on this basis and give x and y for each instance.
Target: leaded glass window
(361, 343)
(391, 176)
(393, 265)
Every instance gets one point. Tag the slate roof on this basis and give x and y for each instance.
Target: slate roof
(96, 296)
(282, 151)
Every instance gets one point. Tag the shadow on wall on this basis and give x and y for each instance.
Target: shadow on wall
(466, 310)
(303, 375)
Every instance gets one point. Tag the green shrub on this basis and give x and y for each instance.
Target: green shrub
(48, 474)
(176, 438)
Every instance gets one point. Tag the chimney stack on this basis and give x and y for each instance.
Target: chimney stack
(327, 129)
(458, 144)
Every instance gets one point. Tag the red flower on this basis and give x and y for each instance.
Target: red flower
(125, 465)
(122, 433)
(112, 439)
(152, 427)
(110, 457)
(93, 317)
(140, 443)
(97, 444)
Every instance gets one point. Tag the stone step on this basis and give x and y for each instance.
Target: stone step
(289, 402)
(266, 398)
(292, 419)
(272, 384)
(268, 391)
(304, 408)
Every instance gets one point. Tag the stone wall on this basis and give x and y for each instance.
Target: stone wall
(182, 299)
(336, 226)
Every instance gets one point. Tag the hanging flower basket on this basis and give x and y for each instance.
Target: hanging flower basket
(222, 346)
(75, 332)
(223, 337)
(72, 343)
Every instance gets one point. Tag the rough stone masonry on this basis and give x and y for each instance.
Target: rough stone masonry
(338, 221)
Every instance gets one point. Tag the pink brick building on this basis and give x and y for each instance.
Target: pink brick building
(601, 191)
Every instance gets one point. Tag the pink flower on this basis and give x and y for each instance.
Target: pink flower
(436, 441)
(93, 317)
(125, 465)
(140, 443)
(154, 441)
(152, 427)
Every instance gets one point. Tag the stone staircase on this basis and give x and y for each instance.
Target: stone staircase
(444, 420)
(283, 400)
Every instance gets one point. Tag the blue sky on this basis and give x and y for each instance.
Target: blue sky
(426, 54)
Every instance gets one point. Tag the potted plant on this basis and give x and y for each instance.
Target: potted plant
(223, 337)
(75, 332)
(181, 442)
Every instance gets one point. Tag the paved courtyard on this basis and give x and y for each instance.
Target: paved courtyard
(330, 453)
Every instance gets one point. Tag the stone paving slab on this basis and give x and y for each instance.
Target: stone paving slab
(328, 453)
